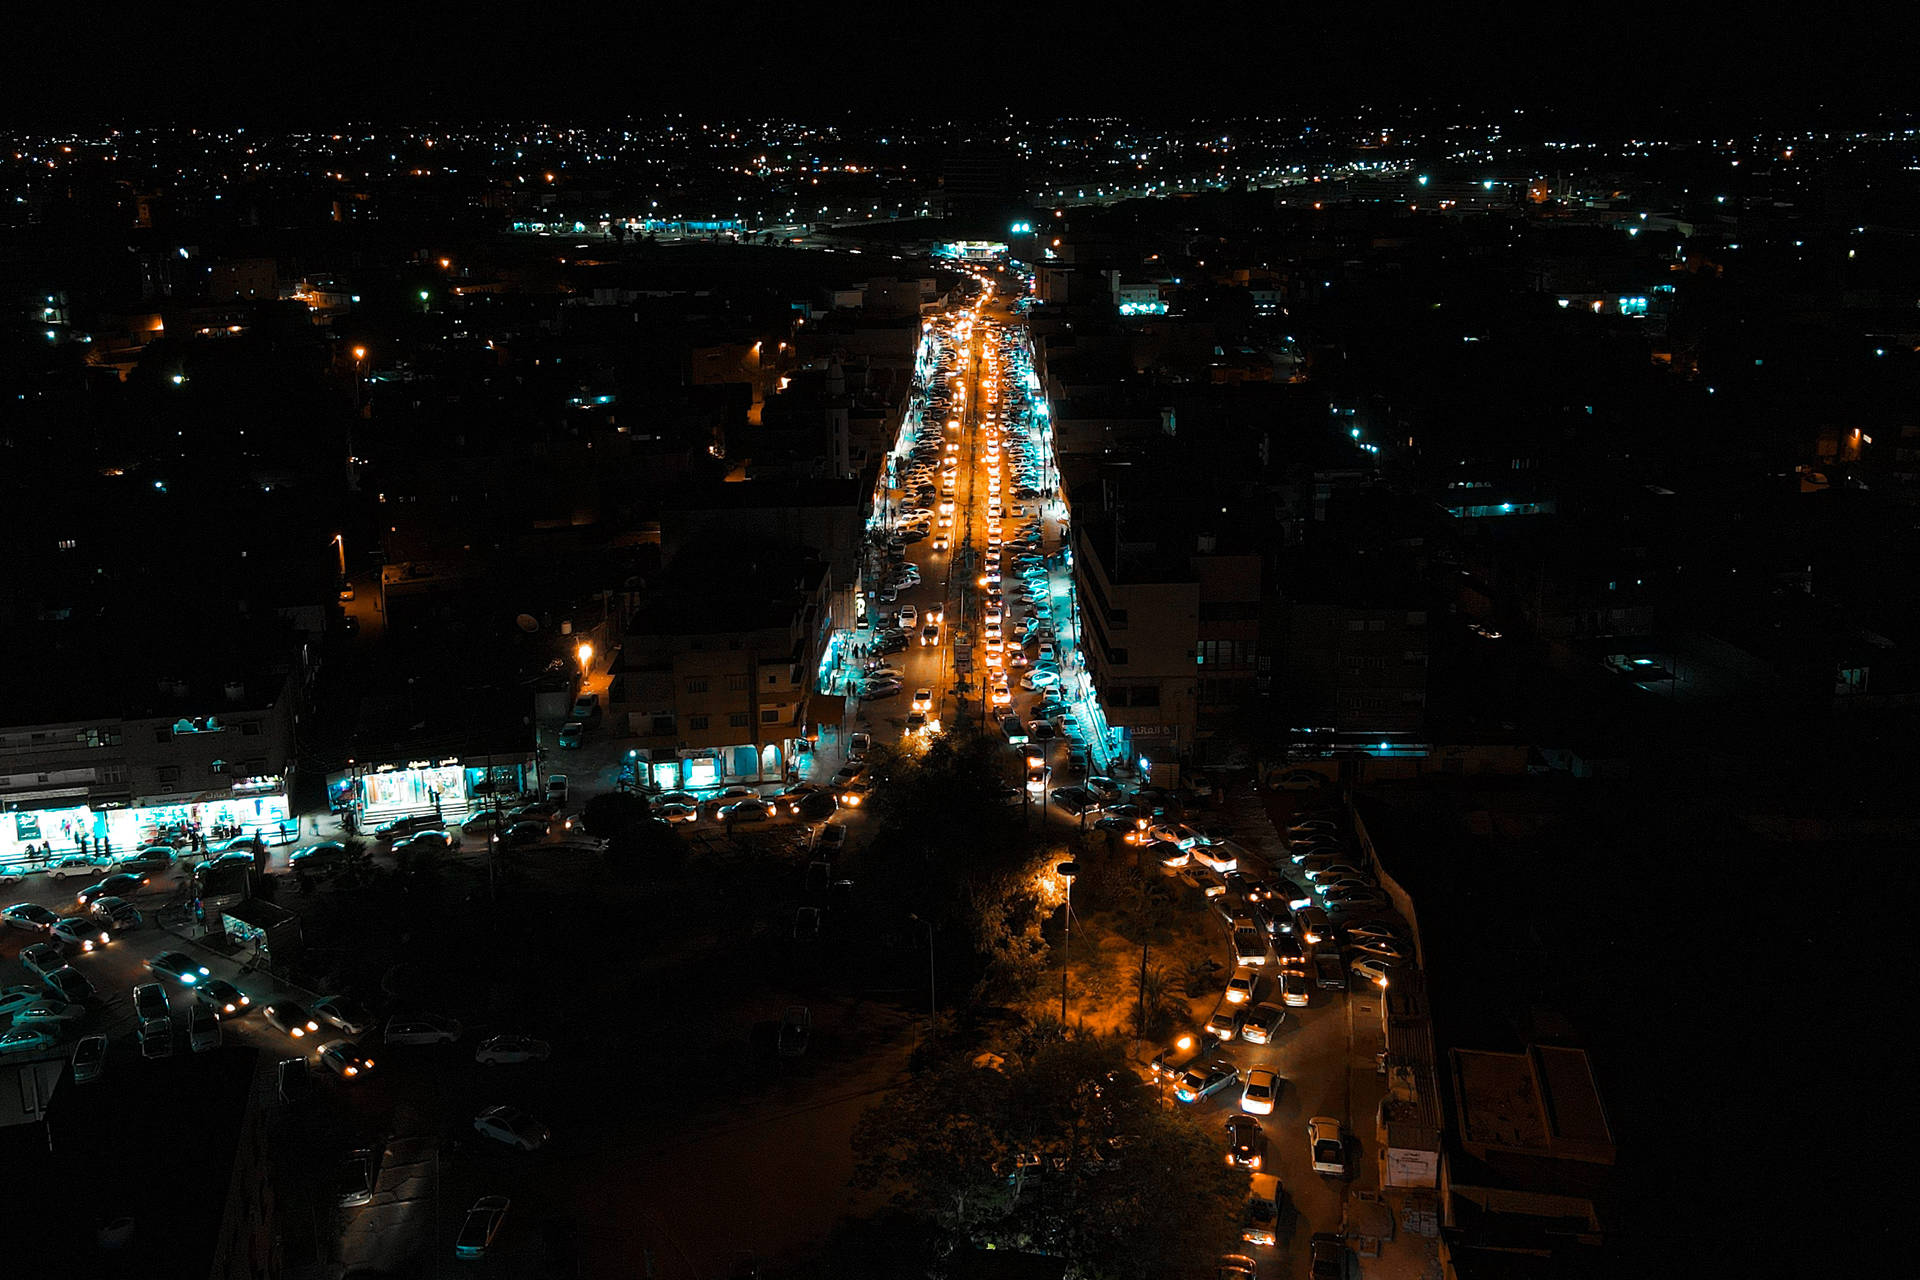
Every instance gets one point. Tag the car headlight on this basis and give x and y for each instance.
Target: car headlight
(297, 1032)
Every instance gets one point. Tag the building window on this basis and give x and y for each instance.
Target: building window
(696, 686)
(251, 729)
(1356, 624)
(1117, 656)
(736, 684)
(696, 722)
(770, 716)
(1376, 624)
(163, 735)
(663, 725)
(169, 775)
(112, 773)
(736, 719)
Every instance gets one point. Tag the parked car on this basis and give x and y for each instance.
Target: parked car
(49, 1011)
(421, 1028)
(359, 1173)
(1324, 1143)
(571, 734)
(796, 1028)
(42, 958)
(89, 1059)
(1373, 969)
(13, 999)
(401, 826)
(345, 1013)
(512, 1126)
(557, 789)
(156, 1038)
(319, 859)
(482, 1227)
(25, 1040)
(203, 1029)
(74, 865)
(512, 1048)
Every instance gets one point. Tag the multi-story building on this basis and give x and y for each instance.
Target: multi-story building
(1171, 633)
(86, 755)
(712, 682)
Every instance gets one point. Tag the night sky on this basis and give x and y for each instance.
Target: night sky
(286, 63)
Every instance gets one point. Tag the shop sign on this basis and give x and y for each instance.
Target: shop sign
(26, 826)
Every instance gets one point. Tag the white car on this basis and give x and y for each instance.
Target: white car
(923, 700)
(1328, 1149)
(1243, 986)
(28, 1040)
(50, 1013)
(345, 1013)
(1263, 1086)
(1375, 970)
(1220, 857)
(512, 1126)
(501, 1049)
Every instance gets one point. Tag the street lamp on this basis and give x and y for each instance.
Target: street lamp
(933, 1004)
(340, 543)
(1066, 871)
(585, 653)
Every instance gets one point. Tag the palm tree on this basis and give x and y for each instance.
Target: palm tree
(1152, 1018)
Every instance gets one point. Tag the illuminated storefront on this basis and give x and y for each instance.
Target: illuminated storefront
(449, 786)
(253, 806)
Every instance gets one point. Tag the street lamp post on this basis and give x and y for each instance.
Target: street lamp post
(1066, 871)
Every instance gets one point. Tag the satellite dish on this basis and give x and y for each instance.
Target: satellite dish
(527, 623)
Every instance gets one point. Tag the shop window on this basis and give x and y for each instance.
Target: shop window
(737, 719)
(696, 722)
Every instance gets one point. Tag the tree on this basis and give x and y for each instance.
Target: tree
(1059, 1149)
(612, 812)
(650, 847)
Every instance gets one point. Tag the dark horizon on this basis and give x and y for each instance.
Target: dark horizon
(484, 63)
